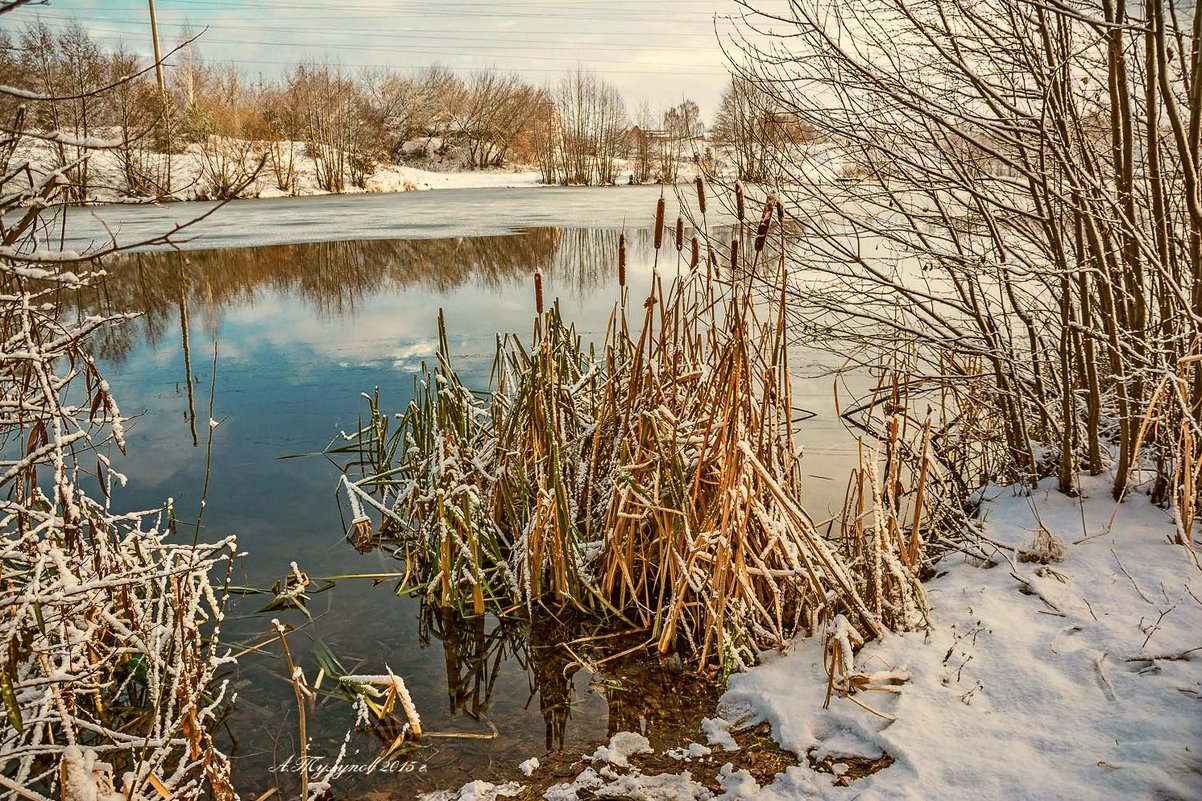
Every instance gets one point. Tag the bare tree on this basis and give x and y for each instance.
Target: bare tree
(68, 65)
(681, 125)
(592, 121)
(1034, 169)
(225, 125)
(135, 107)
(746, 125)
(336, 121)
(280, 127)
(546, 136)
(491, 111)
(642, 150)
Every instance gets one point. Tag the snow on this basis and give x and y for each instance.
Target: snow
(86, 778)
(1072, 680)
(693, 751)
(189, 182)
(588, 779)
(478, 790)
(392, 178)
(529, 766)
(621, 747)
(717, 732)
(664, 787)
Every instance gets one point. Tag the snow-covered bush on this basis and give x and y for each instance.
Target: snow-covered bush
(109, 626)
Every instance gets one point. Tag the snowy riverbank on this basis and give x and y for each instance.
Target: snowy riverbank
(1075, 679)
(191, 172)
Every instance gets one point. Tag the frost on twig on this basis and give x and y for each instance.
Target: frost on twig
(109, 628)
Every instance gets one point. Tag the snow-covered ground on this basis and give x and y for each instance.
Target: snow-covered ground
(189, 180)
(1076, 679)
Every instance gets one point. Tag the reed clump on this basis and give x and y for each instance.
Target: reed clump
(652, 479)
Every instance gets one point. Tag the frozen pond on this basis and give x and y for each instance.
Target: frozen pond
(297, 332)
(444, 213)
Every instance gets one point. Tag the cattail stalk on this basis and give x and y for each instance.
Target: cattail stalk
(695, 256)
(734, 254)
(740, 206)
(659, 224)
(761, 233)
(700, 184)
(622, 261)
(679, 234)
(538, 291)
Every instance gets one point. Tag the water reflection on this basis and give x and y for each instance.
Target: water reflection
(334, 278)
(476, 648)
(638, 691)
(295, 333)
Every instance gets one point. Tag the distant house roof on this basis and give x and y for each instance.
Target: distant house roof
(636, 132)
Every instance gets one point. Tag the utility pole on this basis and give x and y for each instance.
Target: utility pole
(158, 71)
(158, 56)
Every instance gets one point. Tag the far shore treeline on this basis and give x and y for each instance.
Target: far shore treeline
(344, 124)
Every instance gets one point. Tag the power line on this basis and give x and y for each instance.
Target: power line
(431, 33)
(509, 44)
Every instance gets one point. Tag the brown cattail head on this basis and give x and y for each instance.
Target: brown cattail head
(740, 209)
(695, 256)
(622, 260)
(538, 291)
(700, 193)
(734, 254)
(679, 234)
(659, 224)
(780, 212)
(761, 233)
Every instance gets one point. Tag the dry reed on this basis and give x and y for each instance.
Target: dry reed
(654, 482)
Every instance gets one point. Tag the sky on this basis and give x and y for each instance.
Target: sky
(661, 51)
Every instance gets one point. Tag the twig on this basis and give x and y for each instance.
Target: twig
(1128, 575)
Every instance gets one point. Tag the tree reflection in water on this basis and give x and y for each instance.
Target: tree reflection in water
(332, 277)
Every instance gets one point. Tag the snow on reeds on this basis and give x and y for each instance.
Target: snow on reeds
(652, 479)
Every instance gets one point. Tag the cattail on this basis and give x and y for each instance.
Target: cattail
(659, 224)
(679, 234)
(695, 257)
(538, 291)
(622, 260)
(761, 233)
(780, 212)
(700, 193)
(734, 254)
(739, 207)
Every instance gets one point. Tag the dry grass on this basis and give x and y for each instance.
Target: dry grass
(1170, 435)
(653, 480)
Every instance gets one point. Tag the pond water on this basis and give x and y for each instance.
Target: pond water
(275, 343)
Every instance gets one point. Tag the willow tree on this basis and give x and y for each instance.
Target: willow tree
(1032, 171)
